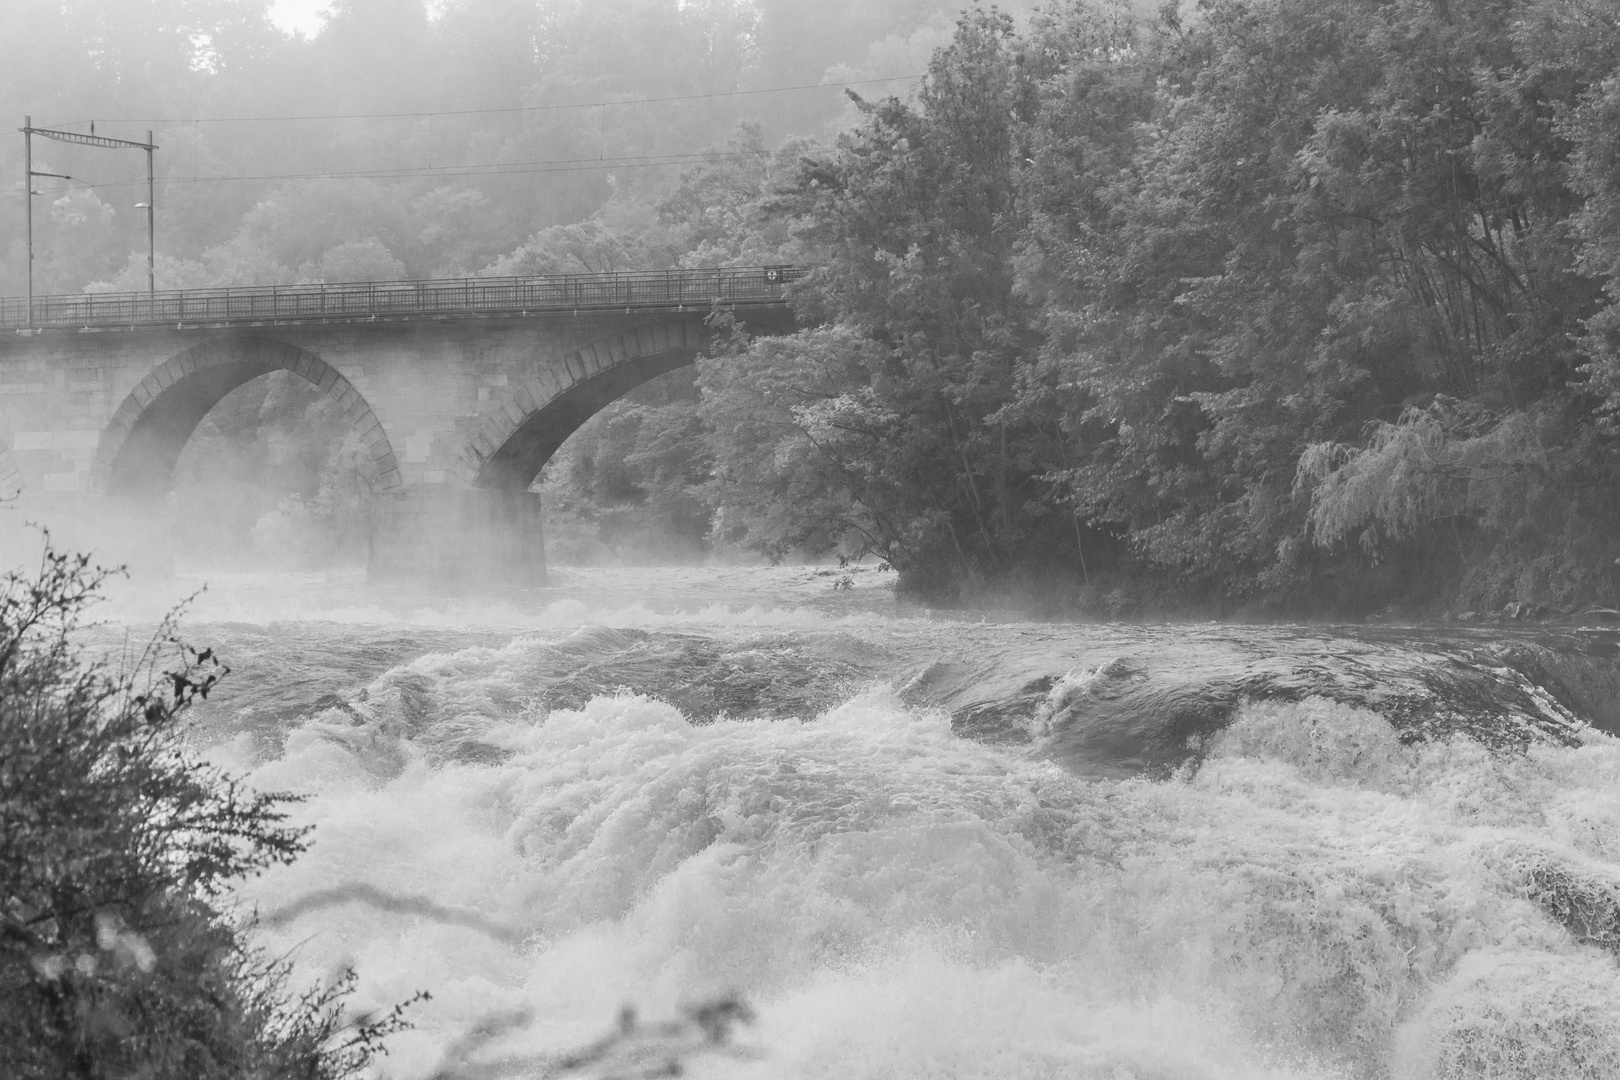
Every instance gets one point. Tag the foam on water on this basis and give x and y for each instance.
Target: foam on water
(1313, 899)
(753, 596)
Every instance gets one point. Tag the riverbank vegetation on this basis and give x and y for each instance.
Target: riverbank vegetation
(1293, 305)
(117, 849)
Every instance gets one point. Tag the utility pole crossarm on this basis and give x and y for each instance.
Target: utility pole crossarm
(88, 140)
(28, 132)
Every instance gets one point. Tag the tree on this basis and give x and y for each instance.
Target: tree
(903, 424)
(799, 439)
(1322, 215)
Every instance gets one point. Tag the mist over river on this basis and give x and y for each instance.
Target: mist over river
(929, 846)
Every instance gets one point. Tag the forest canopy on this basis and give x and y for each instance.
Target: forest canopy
(1286, 304)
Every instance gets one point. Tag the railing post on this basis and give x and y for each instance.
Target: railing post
(672, 286)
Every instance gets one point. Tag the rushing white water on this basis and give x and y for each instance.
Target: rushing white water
(1306, 895)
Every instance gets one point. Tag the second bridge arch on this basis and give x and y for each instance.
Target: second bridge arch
(481, 521)
(513, 443)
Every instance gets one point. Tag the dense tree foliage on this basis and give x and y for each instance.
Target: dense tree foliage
(902, 434)
(1335, 299)
(1302, 302)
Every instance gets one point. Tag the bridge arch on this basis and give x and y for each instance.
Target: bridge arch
(513, 443)
(142, 441)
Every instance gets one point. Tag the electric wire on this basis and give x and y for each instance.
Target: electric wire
(517, 168)
(514, 168)
(605, 103)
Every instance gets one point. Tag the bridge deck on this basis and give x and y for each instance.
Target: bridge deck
(649, 290)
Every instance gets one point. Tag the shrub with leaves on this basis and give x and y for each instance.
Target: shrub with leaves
(115, 847)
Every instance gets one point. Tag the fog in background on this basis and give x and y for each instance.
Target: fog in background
(1124, 308)
(384, 139)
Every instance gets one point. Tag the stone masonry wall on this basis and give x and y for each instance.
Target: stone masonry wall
(434, 385)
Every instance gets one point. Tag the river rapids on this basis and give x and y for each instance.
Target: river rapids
(924, 846)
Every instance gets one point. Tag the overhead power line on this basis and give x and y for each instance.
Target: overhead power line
(494, 111)
(493, 168)
(499, 168)
(483, 168)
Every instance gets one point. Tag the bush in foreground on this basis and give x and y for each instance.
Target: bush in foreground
(115, 847)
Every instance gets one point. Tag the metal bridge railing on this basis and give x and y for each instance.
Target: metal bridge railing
(648, 289)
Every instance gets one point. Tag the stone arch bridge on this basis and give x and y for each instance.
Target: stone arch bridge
(461, 390)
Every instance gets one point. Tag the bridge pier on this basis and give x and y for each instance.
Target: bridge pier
(442, 535)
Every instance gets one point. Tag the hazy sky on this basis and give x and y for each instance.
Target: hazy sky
(298, 14)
